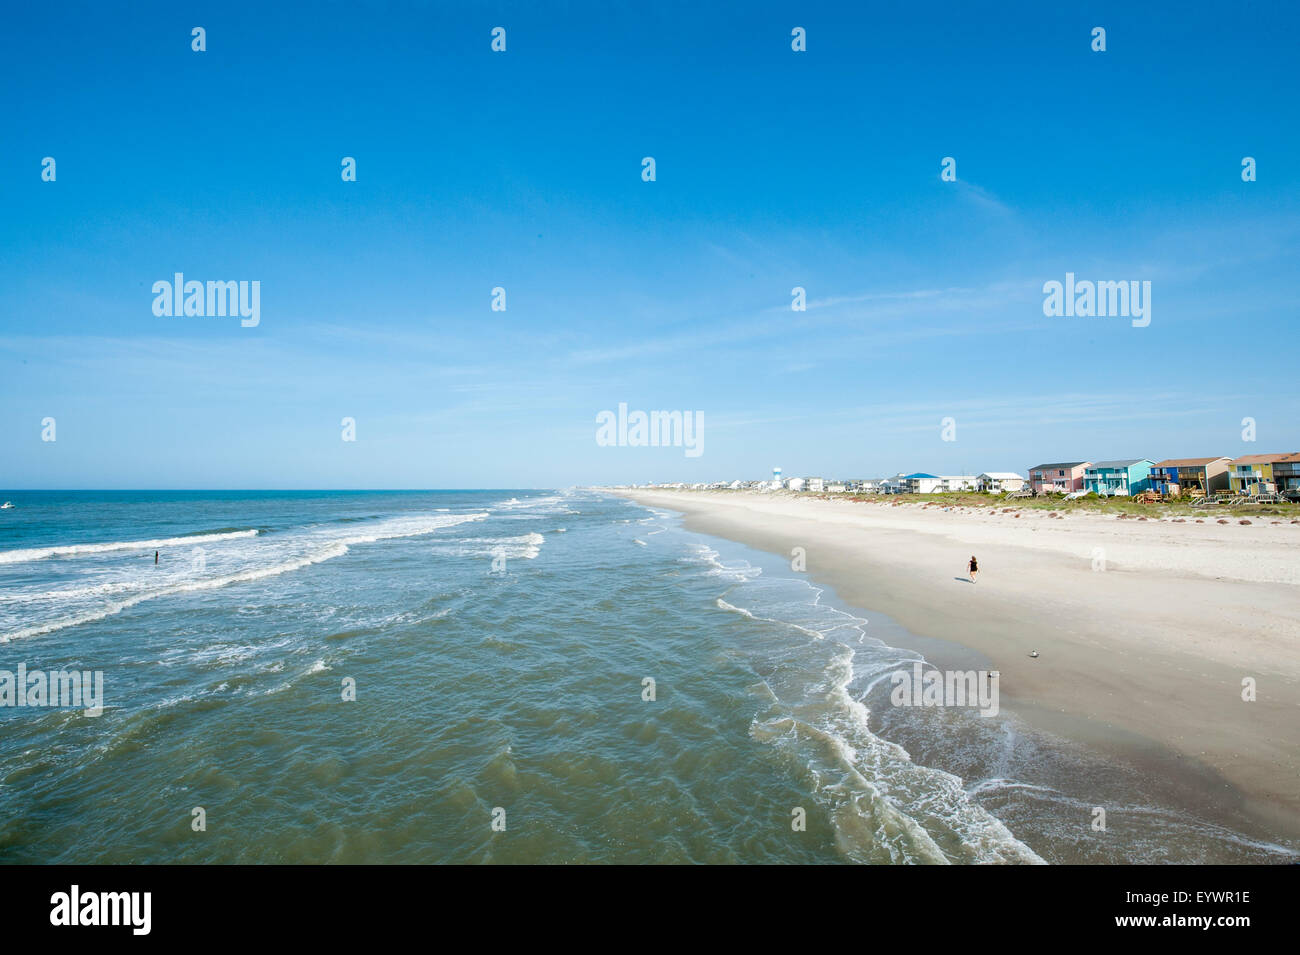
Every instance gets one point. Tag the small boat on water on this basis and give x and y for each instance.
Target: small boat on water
(6, 505)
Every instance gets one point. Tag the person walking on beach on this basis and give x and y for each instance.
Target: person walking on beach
(974, 568)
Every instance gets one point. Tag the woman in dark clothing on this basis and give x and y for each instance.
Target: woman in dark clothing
(974, 568)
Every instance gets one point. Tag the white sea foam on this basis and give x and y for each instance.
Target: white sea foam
(815, 634)
(883, 805)
(75, 550)
(67, 594)
(324, 545)
(740, 570)
(534, 508)
(521, 547)
(211, 583)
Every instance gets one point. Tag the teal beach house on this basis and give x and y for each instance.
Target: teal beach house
(1118, 478)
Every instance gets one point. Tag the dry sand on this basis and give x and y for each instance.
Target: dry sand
(1144, 658)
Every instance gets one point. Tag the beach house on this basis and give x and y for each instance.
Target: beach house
(1177, 476)
(1261, 473)
(1286, 474)
(999, 482)
(894, 485)
(1118, 478)
(922, 483)
(959, 482)
(860, 486)
(1059, 478)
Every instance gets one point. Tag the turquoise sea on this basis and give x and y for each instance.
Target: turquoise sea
(501, 645)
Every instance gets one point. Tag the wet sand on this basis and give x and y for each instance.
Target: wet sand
(1143, 659)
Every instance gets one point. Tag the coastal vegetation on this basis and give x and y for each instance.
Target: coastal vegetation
(1120, 507)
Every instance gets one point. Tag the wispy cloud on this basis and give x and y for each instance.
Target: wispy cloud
(777, 321)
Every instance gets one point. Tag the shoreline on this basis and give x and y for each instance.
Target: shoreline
(1142, 661)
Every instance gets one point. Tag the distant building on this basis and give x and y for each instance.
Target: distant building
(1286, 472)
(817, 484)
(894, 485)
(795, 484)
(999, 482)
(1059, 478)
(1176, 476)
(959, 482)
(922, 483)
(1118, 478)
(1264, 473)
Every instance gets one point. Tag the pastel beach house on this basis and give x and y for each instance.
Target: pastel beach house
(999, 482)
(1061, 478)
(1256, 474)
(1118, 478)
(1177, 476)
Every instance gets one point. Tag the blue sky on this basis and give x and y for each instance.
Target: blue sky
(522, 170)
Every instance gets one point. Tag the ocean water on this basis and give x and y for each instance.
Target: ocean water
(499, 643)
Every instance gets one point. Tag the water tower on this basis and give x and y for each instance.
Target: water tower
(776, 477)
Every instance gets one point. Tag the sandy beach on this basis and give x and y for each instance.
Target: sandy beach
(1145, 630)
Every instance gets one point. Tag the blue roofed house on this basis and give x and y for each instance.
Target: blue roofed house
(1118, 478)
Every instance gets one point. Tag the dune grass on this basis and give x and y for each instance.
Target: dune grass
(1113, 506)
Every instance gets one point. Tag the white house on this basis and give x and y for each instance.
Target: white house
(835, 488)
(795, 484)
(959, 482)
(998, 482)
(817, 484)
(922, 483)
